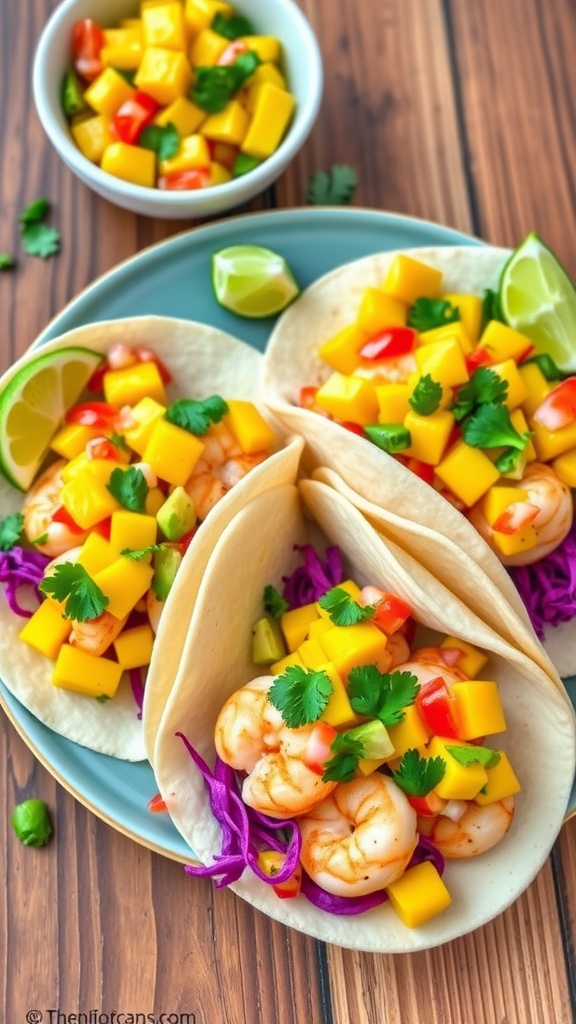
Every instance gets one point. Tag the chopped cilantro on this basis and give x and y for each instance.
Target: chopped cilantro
(425, 314)
(215, 86)
(11, 530)
(508, 461)
(381, 695)
(335, 187)
(300, 695)
(129, 487)
(233, 27)
(490, 426)
(194, 415)
(474, 755)
(417, 775)
(342, 609)
(426, 396)
(164, 140)
(7, 262)
(35, 211)
(119, 441)
(38, 238)
(274, 603)
(491, 307)
(347, 752)
(485, 385)
(138, 553)
(102, 698)
(70, 582)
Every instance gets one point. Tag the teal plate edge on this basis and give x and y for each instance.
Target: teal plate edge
(173, 278)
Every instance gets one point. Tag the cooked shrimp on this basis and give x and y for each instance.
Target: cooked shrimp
(360, 838)
(398, 648)
(40, 504)
(478, 830)
(552, 498)
(251, 736)
(221, 466)
(430, 662)
(96, 635)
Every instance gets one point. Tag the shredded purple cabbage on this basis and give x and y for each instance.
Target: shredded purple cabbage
(310, 581)
(137, 688)
(548, 587)
(20, 567)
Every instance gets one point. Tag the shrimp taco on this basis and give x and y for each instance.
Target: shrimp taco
(404, 380)
(342, 788)
(135, 443)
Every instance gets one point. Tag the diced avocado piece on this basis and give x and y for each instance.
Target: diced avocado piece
(374, 738)
(267, 642)
(177, 516)
(166, 565)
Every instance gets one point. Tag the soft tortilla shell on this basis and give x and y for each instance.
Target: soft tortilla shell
(216, 661)
(203, 361)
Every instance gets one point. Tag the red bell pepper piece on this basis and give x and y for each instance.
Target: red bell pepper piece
(317, 751)
(87, 41)
(102, 448)
(391, 612)
(307, 397)
(433, 702)
(427, 806)
(62, 515)
(354, 428)
(392, 341)
(179, 181)
(92, 414)
(291, 887)
(422, 469)
(479, 356)
(146, 355)
(559, 407)
(133, 116)
(517, 516)
(104, 527)
(157, 804)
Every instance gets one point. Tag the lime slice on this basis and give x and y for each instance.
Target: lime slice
(252, 281)
(33, 404)
(538, 298)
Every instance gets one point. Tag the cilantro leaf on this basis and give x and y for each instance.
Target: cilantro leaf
(485, 385)
(491, 307)
(490, 426)
(417, 775)
(381, 695)
(508, 461)
(215, 86)
(346, 753)
(335, 187)
(164, 140)
(11, 530)
(35, 211)
(425, 314)
(119, 441)
(40, 240)
(194, 415)
(129, 487)
(274, 603)
(70, 582)
(484, 756)
(233, 27)
(138, 553)
(300, 695)
(342, 609)
(426, 396)
(7, 262)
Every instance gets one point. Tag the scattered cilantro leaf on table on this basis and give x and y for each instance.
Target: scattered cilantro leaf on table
(417, 775)
(70, 582)
(7, 262)
(335, 187)
(300, 695)
(164, 140)
(381, 695)
(129, 487)
(38, 238)
(35, 211)
(342, 609)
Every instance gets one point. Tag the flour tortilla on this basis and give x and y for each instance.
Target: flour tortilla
(540, 738)
(291, 360)
(203, 361)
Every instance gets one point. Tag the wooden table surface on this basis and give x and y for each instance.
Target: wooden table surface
(458, 112)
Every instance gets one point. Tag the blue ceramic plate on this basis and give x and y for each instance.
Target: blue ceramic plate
(173, 279)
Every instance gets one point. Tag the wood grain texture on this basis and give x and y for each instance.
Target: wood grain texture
(460, 113)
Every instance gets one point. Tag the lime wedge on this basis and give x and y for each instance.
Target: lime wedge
(33, 404)
(538, 298)
(252, 281)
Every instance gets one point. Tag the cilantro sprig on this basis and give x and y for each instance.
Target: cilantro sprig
(137, 554)
(347, 751)
(490, 426)
(69, 582)
(38, 238)
(416, 775)
(11, 529)
(342, 609)
(164, 140)
(335, 187)
(426, 397)
(274, 603)
(129, 487)
(194, 415)
(215, 86)
(233, 27)
(381, 695)
(425, 314)
(300, 695)
(484, 386)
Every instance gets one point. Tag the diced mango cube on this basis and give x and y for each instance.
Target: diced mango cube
(551, 443)
(338, 711)
(565, 467)
(108, 92)
(498, 499)
(163, 25)
(207, 48)
(130, 163)
(514, 543)
(318, 626)
(461, 781)
(124, 582)
(183, 114)
(517, 392)
(199, 14)
(393, 404)
(229, 125)
(361, 644)
(47, 629)
(172, 452)
(537, 387)
(72, 438)
(477, 708)
(410, 733)
(501, 782)
(470, 309)
(504, 342)
(143, 416)
(447, 332)
(341, 351)
(348, 398)
(164, 74)
(86, 673)
(154, 501)
(444, 361)
(132, 530)
(192, 152)
(92, 136)
(312, 653)
(252, 431)
(271, 116)
(467, 472)
(429, 435)
(268, 48)
(265, 72)
(419, 894)
(409, 279)
(218, 173)
(134, 646)
(96, 554)
(291, 659)
(295, 624)
(87, 499)
(133, 383)
(472, 660)
(378, 310)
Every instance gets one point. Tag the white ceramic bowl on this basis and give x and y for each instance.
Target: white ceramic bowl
(302, 64)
